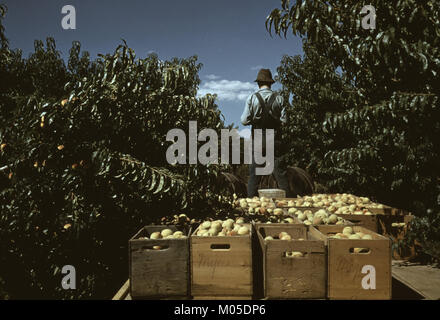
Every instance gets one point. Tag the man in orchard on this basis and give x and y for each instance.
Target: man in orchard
(264, 110)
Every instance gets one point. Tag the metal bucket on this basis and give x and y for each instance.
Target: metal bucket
(272, 193)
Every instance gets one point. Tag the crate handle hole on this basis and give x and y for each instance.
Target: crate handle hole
(156, 248)
(220, 247)
(294, 254)
(360, 250)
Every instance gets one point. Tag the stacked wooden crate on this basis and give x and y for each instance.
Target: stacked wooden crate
(221, 267)
(159, 268)
(288, 276)
(380, 220)
(357, 269)
(248, 266)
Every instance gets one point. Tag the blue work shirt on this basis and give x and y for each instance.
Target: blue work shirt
(253, 111)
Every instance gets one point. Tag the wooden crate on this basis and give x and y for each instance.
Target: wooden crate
(221, 266)
(396, 234)
(158, 273)
(370, 222)
(386, 224)
(375, 222)
(387, 210)
(367, 221)
(297, 221)
(293, 278)
(345, 268)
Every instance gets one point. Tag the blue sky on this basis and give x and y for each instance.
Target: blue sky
(229, 37)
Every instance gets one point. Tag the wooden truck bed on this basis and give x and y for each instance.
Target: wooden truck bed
(410, 281)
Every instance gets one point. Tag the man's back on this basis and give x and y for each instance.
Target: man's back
(253, 111)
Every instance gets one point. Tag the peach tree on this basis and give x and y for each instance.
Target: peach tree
(370, 98)
(83, 163)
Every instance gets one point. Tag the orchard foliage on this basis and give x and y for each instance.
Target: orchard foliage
(368, 99)
(83, 164)
(316, 90)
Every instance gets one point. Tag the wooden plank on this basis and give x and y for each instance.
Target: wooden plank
(221, 266)
(123, 292)
(424, 279)
(159, 272)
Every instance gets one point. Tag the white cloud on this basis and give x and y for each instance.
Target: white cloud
(212, 77)
(245, 133)
(257, 67)
(151, 51)
(228, 89)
